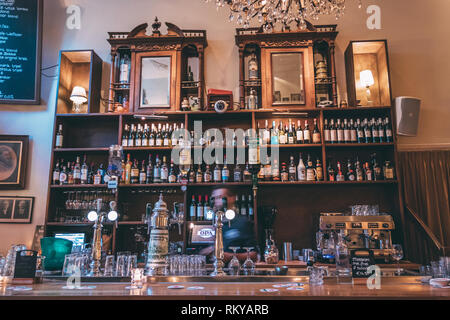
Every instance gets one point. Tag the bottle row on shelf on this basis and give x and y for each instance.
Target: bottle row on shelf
(200, 207)
(357, 131)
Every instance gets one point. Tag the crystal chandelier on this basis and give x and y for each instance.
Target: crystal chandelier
(285, 12)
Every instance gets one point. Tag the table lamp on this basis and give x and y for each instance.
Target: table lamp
(366, 78)
(78, 97)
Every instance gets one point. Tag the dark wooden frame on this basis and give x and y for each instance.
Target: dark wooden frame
(23, 162)
(174, 78)
(37, 86)
(11, 221)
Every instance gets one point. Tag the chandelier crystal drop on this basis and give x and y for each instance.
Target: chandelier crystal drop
(284, 12)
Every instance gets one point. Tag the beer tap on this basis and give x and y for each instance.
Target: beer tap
(218, 246)
(99, 216)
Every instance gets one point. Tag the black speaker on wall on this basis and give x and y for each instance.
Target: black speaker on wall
(407, 111)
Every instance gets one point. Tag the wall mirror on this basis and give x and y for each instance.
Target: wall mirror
(155, 82)
(288, 78)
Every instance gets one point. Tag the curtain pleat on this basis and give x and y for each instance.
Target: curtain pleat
(425, 177)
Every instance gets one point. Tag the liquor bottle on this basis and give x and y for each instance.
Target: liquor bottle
(252, 100)
(251, 213)
(281, 135)
(237, 174)
(217, 175)
(134, 173)
(143, 174)
(381, 133)
(266, 133)
(374, 128)
(367, 132)
(301, 169)
(243, 208)
(149, 173)
(350, 172)
(319, 170)
(128, 170)
(91, 174)
(56, 173)
(124, 69)
(247, 175)
(310, 173)
(166, 140)
(299, 133)
(98, 177)
(340, 131)
(333, 132)
(353, 133)
(388, 130)
(206, 208)
(274, 134)
(291, 138)
(316, 133)
(339, 176)
(253, 67)
(152, 137)
(191, 174)
(360, 131)
(158, 137)
(292, 170)
(172, 173)
(331, 172)
(284, 172)
(157, 171)
(225, 171)
(207, 176)
(377, 172)
(173, 136)
(145, 136)
(306, 133)
(267, 173)
(164, 171)
(138, 139)
(199, 175)
(59, 137)
(347, 137)
(77, 172)
(193, 209)
(102, 172)
(69, 173)
(200, 208)
(326, 132)
(84, 175)
(368, 172)
(63, 176)
(359, 171)
(237, 206)
(388, 171)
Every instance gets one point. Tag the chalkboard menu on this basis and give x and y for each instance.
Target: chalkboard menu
(25, 267)
(20, 51)
(361, 259)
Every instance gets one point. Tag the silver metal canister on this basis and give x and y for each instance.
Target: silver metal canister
(287, 251)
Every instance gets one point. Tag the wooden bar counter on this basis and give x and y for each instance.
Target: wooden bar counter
(391, 288)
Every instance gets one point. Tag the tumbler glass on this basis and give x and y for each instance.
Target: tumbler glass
(109, 266)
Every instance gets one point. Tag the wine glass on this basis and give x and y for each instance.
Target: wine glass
(397, 255)
(248, 266)
(234, 264)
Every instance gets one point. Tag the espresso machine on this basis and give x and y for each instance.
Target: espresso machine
(360, 232)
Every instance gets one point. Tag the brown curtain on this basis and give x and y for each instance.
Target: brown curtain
(425, 177)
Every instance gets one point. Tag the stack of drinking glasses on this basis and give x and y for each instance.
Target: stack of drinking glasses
(187, 265)
(77, 263)
(436, 270)
(10, 261)
(124, 264)
(365, 210)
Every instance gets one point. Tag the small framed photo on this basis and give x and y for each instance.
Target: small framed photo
(16, 209)
(13, 161)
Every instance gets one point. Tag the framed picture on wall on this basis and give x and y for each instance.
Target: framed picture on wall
(16, 209)
(13, 161)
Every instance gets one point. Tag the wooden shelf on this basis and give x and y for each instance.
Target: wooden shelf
(100, 149)
(149, 185)
(293, 183)
(146, 148)
(305, 145)
(219, 184)
(381, 144)
(356, 108)
(78, 186)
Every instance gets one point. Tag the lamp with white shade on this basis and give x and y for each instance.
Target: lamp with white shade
(78, 97)
(367, 80)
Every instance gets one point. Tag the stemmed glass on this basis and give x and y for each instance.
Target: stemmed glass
(234, 264)
(397, 255)
(248, 266)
